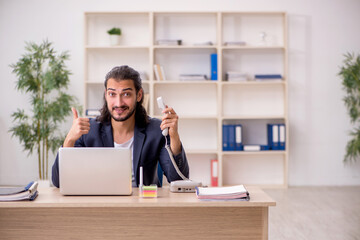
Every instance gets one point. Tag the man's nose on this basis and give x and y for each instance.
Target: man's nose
(120, 100)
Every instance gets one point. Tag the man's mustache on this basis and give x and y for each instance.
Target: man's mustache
(124, 107)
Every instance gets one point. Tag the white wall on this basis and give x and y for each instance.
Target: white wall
(320, 32)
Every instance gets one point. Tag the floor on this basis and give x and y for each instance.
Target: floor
(315, 213)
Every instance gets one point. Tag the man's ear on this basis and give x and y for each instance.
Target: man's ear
(139, 95)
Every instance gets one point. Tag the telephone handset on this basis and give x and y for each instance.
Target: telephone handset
(162, 106)
(185, 185)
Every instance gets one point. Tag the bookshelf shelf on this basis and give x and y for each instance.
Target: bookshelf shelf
(203, 106)
(270, 152)
(184, 47)
(268, 82)
(115, 47)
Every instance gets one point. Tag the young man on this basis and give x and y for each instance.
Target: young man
(124, 123)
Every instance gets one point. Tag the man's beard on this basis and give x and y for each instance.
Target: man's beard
(122, 119)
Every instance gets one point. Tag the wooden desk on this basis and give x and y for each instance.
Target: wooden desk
(170, 216)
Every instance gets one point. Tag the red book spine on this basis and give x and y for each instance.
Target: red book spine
(214, 172)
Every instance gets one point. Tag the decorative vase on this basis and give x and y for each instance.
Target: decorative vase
(114, 40)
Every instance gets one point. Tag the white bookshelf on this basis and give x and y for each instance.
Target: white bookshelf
(203, 106)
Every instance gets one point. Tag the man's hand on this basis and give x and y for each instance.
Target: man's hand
(79, 127)
(170, 120)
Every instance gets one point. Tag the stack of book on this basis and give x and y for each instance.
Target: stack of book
(207, 43)
(28, 192)
(159, 72)
(146, 102)
(169, 42)
(235, 43)
(192, 77)
(237, 192)
(92, 112)
(236, 76)
(264, 77)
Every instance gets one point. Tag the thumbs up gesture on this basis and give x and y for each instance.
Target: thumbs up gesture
(79, 127)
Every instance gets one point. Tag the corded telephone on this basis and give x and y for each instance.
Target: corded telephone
(185, 185)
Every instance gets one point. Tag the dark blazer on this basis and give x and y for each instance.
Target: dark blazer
(149, 149)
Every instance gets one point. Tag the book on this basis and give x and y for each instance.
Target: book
(92, 112)
(159, 72)
(206, 43)
(236, 76)
(262, 77)
(192, 77)
(146, 101)
(213, 64)
(237, 192)
(169, 42)
(214, 172)
(255, 147)
(235, 43)
(28, 192)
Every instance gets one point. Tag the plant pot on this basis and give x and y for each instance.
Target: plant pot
(114, 40)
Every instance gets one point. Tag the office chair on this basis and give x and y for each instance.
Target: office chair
(160, 175)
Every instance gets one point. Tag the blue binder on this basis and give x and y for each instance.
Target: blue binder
(225, 139)
(231, 134)
(214, 71)
(282, 136)
(238, 138)
(273, 136)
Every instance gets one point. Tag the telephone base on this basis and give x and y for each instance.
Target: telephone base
(184, 186)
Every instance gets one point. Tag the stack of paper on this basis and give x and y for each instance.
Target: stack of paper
(19, 193)
(236, 76)
(192, 77)
(237, 192)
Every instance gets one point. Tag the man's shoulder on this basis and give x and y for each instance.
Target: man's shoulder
(154, 121)
(153, 126)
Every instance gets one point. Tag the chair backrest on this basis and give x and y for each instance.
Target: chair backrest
(160, 173)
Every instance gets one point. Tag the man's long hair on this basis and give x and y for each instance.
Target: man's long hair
(125, 73)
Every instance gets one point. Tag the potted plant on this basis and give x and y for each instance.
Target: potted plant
(43, 75)
(350, 74)
(114, 34)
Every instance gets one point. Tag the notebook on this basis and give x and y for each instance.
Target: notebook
(95, 171)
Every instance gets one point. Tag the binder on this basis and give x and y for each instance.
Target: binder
(273, 136)
(214, 172)
(231, 134)
(238, 137)
(282, 136)
(28, 192)
(225, 138)
(213, 60)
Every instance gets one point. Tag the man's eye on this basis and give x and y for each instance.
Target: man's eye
(126, 94)
(111, 94)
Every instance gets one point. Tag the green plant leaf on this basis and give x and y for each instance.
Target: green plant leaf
(350, 75)
(42, 73)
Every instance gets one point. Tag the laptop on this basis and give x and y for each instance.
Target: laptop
(95, 171)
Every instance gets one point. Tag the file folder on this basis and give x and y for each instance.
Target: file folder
(214, 172)
(238, 137)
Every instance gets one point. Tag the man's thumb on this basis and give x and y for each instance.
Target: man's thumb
(75, 114)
